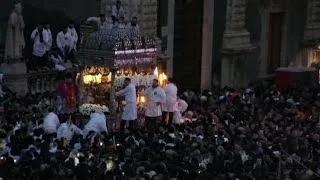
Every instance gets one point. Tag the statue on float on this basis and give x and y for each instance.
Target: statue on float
(15, 41)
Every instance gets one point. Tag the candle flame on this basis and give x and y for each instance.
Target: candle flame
(141, 99)
(156, 72)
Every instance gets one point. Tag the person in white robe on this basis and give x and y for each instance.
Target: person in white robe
(48, 36)
(97, 124)
(101, 21)
(74, 35)
(181, 107)
(133, 26)
(51, 122)
(129, 113)
(64, 43)
(74, 41)
(155, 98)
(118, 10)
(38, 36)
(15, 41)
(113, 23)
(171, 91)
(67, 130)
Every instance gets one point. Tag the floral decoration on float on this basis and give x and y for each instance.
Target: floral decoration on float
(87, 109)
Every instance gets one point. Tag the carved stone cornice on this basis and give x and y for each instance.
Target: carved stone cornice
(312, 29)
(236, 36)
(236, 41)
(235, 20)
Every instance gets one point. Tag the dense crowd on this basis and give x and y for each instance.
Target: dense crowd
(254, 133)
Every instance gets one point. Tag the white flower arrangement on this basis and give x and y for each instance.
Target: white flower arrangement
(87, 109)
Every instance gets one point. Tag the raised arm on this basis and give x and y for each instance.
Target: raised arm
(75, 35)
(93, 19)
(59, 43)
(123, 91)
(34, 34)
(77, 130)
(59, 132)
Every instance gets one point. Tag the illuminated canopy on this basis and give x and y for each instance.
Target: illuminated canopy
(119, 39)
(118, 48)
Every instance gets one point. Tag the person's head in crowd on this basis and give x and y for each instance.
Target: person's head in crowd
(72, 24)
(69, 76)
(40, 27)
(121, 20)
(51, 110)
(118, 4)
(17, 8)
(46, 25)
(114, 19)
(127, 81)
(171, 80)
(70, 119)
(134, 21)
(65, 29)
(102, 18)
(155, 83)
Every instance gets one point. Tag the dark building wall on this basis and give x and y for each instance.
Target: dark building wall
(296, 25)
(188, 43)
(253, 25)
(218, 29)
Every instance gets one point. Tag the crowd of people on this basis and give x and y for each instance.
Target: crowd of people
(253, 133)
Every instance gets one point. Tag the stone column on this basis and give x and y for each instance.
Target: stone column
(312, 29)
(170, 38)
(236, 44)
(207, 41)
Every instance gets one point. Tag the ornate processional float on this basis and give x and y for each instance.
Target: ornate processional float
(107, 57)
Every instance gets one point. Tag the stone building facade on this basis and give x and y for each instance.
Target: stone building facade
(250, 39)
(260, 36)
(243, 40)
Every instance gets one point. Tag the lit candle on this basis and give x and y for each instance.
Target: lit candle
(155, 72)
(142, 99)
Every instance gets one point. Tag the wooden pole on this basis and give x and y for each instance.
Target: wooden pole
(279, 167)
(113, 103)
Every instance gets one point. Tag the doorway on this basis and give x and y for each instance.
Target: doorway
(188, 43)
(275, 41)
